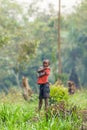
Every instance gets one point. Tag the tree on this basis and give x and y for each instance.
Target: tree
(59, 40)
(16, 48)
(78, 40)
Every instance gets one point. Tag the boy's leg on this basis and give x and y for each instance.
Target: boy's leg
(40, 103)
(40, 97)
(46, 108)
(46, 103)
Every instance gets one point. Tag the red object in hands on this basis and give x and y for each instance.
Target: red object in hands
(44, 79)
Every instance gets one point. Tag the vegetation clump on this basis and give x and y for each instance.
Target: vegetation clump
(58, 93)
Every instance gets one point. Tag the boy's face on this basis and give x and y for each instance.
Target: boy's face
(45, 64)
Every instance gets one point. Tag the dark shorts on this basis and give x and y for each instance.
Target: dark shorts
(44, 91)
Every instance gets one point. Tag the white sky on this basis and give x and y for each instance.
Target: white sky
(66, 4)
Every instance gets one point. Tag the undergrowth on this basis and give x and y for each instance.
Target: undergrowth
(17, 114)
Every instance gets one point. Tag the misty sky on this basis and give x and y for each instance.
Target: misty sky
(66, 4)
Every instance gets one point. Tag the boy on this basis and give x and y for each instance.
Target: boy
(43, 74)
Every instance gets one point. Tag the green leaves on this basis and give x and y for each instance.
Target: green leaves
(58, 93)
(4, 39)
(77, 40)
(27, 51)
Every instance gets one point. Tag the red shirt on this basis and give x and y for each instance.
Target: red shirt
(44, 79)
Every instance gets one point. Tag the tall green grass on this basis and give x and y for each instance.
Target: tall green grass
(24, 117)
(79, 99)
(17, 114)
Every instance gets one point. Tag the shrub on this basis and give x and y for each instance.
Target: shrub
(58, 93)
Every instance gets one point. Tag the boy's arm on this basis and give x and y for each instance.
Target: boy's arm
(46, 72)
(42, 74)
(41, 69)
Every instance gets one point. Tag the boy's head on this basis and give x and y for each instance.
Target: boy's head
(46, 63)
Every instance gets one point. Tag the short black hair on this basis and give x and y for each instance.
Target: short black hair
(47, 61)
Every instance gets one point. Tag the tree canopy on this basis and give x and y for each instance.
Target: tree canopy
(29, 36)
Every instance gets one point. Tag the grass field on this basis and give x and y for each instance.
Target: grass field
(17, 114)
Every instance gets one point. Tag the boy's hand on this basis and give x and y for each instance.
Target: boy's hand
(42, 74)
(37, 75)
(39, 70)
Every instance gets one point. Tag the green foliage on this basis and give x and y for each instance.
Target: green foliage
(4, 39)
(17, 114)
(14, 116)
(77, 41)
(20, 28)
(61, 111)
(58, 93)
(27, 51)
(79, 99)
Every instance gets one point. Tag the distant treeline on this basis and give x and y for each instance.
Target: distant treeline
(28, 37)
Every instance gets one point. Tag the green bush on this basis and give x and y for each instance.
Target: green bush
(58, 93)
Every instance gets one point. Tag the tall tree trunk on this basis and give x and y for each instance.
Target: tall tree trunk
(59, 40)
